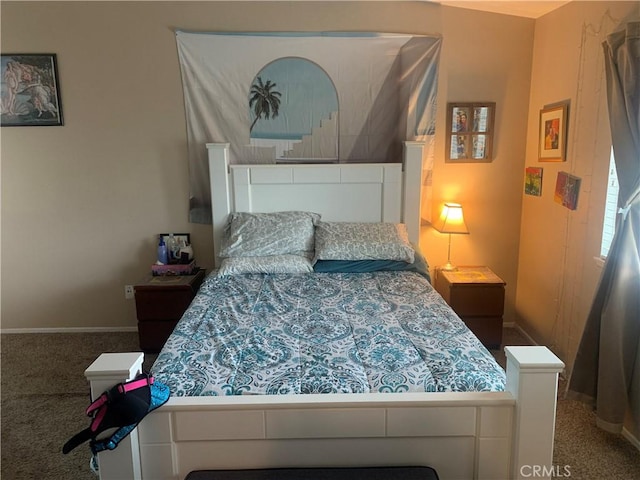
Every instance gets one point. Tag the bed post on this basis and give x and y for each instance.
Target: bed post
(532, 378)
(108, 370)
(412, 188)
(218, 154)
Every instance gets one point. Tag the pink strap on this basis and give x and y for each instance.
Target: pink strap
(98, 419)
(102, 399)
(122, 388)
(127, 387)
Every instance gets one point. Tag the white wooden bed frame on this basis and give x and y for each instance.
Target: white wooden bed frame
(488, 435)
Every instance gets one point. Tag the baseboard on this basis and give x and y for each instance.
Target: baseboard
(525, 334)
(629, 436)
(68, 330)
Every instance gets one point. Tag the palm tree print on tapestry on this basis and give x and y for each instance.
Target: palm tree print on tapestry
(293, 108)
(264, 101)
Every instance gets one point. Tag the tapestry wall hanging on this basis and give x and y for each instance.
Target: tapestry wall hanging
(307, 98)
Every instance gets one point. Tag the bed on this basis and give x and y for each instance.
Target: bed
(331, 392)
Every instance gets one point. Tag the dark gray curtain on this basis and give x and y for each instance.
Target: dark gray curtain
(606, 372)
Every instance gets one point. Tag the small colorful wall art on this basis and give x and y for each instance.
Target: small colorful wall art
(567, 189)
(533, 181)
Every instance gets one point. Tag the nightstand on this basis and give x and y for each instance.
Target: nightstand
(160, 303)
(476, 294)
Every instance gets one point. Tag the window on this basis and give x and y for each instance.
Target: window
(611, 208)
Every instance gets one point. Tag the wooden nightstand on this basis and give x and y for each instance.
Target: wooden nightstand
(476, 294)
(160, 303)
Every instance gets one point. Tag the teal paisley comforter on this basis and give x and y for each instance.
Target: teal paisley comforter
(323, 333)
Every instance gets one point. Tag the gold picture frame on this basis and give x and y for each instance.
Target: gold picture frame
(552, 136)
(470, 132)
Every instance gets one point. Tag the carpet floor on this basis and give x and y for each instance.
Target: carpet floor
(43, 395)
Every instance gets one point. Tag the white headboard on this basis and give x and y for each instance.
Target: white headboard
(346, 192)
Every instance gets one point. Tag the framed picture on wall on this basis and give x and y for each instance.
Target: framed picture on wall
(470, 132)
(552, 139)
(30, 90)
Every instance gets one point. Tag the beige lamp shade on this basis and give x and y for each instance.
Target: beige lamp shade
(451, 219)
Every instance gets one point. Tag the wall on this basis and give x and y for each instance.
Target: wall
(479, 65)
(558, 272)
(81, 203)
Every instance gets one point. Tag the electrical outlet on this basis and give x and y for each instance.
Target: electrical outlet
(128, 292)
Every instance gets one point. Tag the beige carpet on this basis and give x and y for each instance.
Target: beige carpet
(44, 394)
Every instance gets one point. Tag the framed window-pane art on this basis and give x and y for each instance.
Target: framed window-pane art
(470, 132)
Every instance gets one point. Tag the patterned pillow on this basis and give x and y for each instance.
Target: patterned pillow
(363, 241)
(270, 264)
(263, 234)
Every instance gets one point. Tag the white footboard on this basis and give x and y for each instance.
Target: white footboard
(462, 435)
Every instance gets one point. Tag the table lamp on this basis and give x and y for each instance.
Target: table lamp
(451, 221)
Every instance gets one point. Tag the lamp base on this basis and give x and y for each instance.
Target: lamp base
(448, 267)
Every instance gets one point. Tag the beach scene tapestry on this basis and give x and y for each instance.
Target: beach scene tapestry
(305, 98)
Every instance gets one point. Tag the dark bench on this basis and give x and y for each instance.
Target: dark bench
(355, 473)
